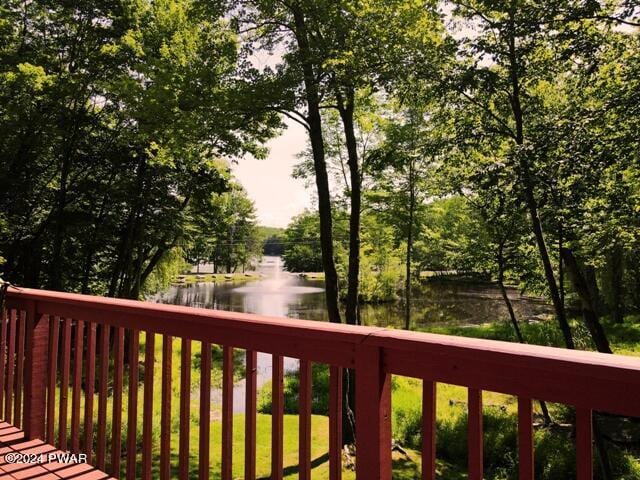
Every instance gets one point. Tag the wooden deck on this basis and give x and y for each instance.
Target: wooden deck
(12, 441)
(57, 349)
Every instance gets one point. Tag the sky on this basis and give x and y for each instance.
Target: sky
(277, 196)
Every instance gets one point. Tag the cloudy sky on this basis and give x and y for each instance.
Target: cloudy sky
(278, 197)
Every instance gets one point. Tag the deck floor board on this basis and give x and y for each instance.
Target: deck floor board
(12, 440)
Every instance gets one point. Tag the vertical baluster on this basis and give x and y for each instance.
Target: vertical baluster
(474, 435)
(525, 438)
(10, 366)
(227, 412)
(584, 444)
(335, 423)
(101, 452)
(428, 430)
(89, 390)
(250, 417)
(36, 328)
(132, 420)
(165, 412)
(77, 385)
(304, 419)
(373, 415)
(54, 333)
(277, 412)
(17, 414)
(3, 352)
(116, 422)
(147, 415)
(205, 410)
(64, 383)
(185, 402)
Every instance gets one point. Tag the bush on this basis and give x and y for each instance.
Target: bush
(171, 265)
(319, 391)
(408, 427)
(555, 455)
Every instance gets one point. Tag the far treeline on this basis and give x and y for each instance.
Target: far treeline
(498, 137)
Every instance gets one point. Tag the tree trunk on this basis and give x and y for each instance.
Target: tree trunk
(407, 286)
(33, 265)
(601, 447)
(120, 279)
(76, 105)
(230, 251)
(319, 163)
(86, 271)
(589, 309)
(512, 313)
(55, 274)
(616, 274)
(532, 204)
(514, 322)
(561, 264)
(346, 108)
(592, 284)
(126, 242)
(314, 120)
(92, 245)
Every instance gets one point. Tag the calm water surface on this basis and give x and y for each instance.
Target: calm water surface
(282, 294)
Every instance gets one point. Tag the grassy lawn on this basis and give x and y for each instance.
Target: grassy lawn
(218, 277)
(312, 275)
(403, 468)
(406, 468)
(500, 411)
(624, 338)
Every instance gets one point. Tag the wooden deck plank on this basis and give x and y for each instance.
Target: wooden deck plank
(12, 440)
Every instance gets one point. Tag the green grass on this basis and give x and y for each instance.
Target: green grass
(312, 275)
(190, 278)
(218, 277)
(624, 338)
(500, 413)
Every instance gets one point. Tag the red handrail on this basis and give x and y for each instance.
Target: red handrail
(589, 381)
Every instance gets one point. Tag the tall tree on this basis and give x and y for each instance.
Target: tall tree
(294, 28)
(117, 115)
(510, 57)
(401, 168)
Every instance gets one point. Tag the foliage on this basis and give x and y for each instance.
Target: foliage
(224, 231)
(320, 392)
(115, 116)
(171, 265)
(454, 237)
(302, 245)
(272, 239)
(487, 136)
(381, 271)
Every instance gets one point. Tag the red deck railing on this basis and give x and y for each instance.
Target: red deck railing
(55, 342)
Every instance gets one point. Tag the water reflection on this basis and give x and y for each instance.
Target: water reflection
(282, 294)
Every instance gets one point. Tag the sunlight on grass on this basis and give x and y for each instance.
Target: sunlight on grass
(500, 413)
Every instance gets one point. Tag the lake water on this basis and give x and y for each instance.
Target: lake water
(282, 294)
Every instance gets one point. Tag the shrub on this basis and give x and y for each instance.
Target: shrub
(319, 391)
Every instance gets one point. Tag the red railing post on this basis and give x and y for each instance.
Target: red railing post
(373, 415)
(35, 381)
